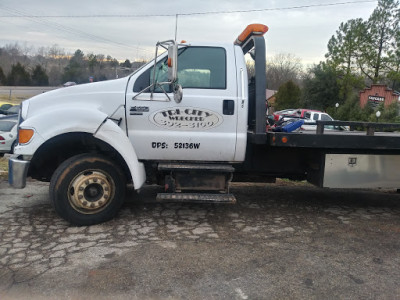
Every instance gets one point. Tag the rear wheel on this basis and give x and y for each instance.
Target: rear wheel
(87, 189)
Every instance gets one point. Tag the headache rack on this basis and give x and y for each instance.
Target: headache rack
(375, 136)
(370, 127)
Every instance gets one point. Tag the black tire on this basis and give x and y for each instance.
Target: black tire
(87, 189)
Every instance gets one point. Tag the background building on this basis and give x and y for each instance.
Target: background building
(377, 94)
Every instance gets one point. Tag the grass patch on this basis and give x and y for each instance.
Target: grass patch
(3, 167)
(14, 100)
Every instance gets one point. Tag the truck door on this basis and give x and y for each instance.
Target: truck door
(203, 125)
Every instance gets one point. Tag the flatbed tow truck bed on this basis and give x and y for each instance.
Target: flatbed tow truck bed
(329, 158)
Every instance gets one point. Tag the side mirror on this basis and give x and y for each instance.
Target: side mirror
(178, 93)
(172, 62)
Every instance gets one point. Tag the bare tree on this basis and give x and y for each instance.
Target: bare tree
(282, 68)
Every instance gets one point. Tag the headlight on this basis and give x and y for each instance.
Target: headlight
(24, 110)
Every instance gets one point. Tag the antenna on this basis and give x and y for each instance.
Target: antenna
(176, 26)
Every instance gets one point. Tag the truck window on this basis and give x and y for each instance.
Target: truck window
(146, 78)
(202, 68)
(326, 118)
(198, 67)
(316, 117)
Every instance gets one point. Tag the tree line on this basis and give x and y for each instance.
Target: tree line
(360, 53)
(22, 65)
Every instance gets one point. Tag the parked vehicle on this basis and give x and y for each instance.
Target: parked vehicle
(278, 115)
(8, 135)
(69, 83)
(299, 113)
(187, 122)
(4, 107)
(312, 116)
(13, 110)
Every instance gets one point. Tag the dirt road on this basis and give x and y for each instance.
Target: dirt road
(277, 242)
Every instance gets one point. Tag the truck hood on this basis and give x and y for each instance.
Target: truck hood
(105, 96)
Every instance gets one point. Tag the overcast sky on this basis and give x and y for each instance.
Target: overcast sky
(303, 31)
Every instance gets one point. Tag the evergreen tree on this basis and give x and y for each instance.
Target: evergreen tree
(18, 76)
(342, 54)
(76, 69)
(378, 34)
(2, 77)
(288, 96)
(126, 64)
(394, 66)
(92, 62)
(320, 88)
(39, 77)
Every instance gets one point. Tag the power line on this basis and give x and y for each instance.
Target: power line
(195, 13)
(63, 28)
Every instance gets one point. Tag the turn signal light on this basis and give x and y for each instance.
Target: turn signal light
(25, 135)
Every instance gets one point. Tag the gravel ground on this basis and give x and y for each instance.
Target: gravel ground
(278, 242)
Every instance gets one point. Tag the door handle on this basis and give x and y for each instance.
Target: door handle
(228, 107)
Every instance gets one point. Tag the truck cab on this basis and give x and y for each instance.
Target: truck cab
(209, 121)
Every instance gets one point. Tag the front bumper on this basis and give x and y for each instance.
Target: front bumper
(17, 172)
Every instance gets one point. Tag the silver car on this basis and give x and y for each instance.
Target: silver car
(8, 135)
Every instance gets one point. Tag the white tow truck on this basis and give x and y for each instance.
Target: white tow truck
(190, 121)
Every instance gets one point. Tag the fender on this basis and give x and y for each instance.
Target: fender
(86, 118)
(58, 120)
(113, 135)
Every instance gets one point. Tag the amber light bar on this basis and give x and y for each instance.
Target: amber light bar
(252, 29)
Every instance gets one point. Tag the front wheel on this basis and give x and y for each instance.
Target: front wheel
(87, 189)
(14, 144)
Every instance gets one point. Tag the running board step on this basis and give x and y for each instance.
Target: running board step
(196, 198)
(195, 167)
